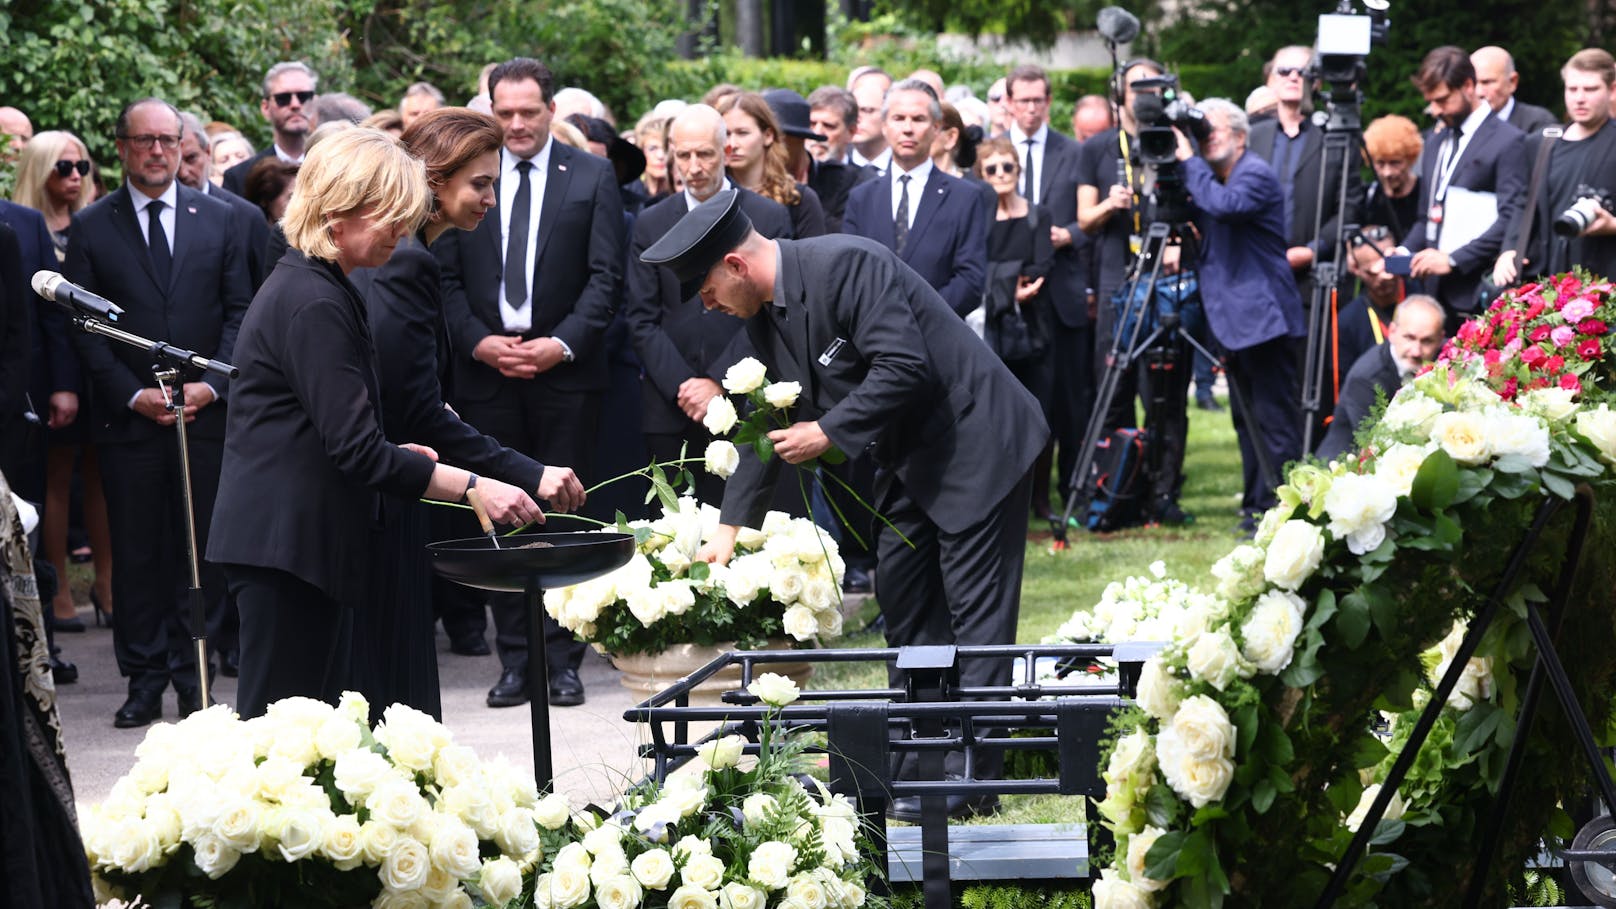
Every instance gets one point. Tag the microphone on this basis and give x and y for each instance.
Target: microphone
(52, 286)
(1117, 25)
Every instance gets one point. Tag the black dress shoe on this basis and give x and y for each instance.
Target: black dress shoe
(189, 702)
(856, 580)
(230, 663)
(140, 710)
(63, 672)
(74, 625)
(469, 645)
(959, 807)
(566, 689)
(510, 690)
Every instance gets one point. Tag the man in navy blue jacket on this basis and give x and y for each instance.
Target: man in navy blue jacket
(1249, 293)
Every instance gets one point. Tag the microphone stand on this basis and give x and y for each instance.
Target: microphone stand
(169, 361)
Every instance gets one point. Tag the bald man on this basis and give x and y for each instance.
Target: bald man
(1090, 115)
(1496, 82)
(16, 129)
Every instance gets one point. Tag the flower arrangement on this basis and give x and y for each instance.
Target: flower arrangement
(728, 836)
(785, 579)
(309, 806)
(1249, 759)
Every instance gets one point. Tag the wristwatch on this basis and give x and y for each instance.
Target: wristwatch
(1452, 265)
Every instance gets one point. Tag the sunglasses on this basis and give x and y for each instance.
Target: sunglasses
(993, 170)
(63, 168)
(1370, 235)
(1288, 71)
(282, 99)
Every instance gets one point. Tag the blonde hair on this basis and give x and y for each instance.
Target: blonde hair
(353, 170)
(35, 165)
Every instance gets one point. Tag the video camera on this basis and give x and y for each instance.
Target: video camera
(1157, 112)
(1344, 42)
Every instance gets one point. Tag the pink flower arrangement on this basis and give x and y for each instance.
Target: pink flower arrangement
(1542, 335)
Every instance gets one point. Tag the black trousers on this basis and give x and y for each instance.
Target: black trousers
(665, 446)
(294, 639)
(558, 429)
(151, 633)
(1071, 398)
(954, 587)
(1271, 420)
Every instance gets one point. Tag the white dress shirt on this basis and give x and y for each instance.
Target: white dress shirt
(691, 201)
(917, 186)
(520, 320)
(169, 198)
(1040, 141)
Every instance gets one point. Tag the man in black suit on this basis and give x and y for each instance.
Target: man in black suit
(1496, 82)
(1050, 166)
(171, 258)
(529, 295)
(936, 223)
(49, 386)
(196, 169)
(888, 372)
(684, 350)
(288, 105)
(1413, 339)
(1474, 176)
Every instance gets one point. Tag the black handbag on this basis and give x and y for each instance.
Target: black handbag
(1008, 331)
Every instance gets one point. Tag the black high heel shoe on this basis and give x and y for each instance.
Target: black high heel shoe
(74, 625)
(101, 614)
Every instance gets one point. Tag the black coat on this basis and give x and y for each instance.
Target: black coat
(832, 181)
(15, 336)
(577, 277)
(1530, 119)
(1376, 369)
(1066, 288)
(306, 460)
(678, 339)
(201, 308)
(235, 179)
(52, 365)
(1308, 165)
(253, 229)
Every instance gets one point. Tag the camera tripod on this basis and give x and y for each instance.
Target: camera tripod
(1158, 334)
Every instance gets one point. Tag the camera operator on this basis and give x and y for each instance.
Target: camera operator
(1474, 179)
(1250, 295)
(1573, 222)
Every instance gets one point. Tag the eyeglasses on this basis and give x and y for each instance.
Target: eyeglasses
(1373, 234)
(144, 142)
(1029, 102)
(995, 97)
(1285, 72)
(282, 99)
(63, 168)
(993, 170)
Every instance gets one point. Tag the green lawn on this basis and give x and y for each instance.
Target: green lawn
(1057, 583)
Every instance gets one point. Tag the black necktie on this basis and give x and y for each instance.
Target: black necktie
(1029, 182)
(516, 245)
(900, 223)
(157, 240)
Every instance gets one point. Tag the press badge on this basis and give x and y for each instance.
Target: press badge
(831, 351)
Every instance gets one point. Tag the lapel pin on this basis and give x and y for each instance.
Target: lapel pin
(191, 209)
(561, 167)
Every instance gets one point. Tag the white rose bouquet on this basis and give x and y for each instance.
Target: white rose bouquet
(785, 580)
(309, 806)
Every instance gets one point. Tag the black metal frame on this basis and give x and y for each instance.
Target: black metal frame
(940, 715)
(1547, 666)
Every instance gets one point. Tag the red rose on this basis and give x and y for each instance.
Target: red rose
(1570, 382)
(1554, 364)
(1589, 349)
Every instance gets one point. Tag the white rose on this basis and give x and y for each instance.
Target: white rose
(1138, 846)
(688, 897)
(568, 887)
(756, 807)
(609, 863)
(552, 811)
(573, 856)
(1556, 404)
(691, 845)
(808, 891)
(298, 833)
(1599, 427)
(721, 457)
(1294, 555)
(646, 605)
(1411, 410)
(787, 584)
(353, 705)
(720, 417)
(1158, 693)
(1519, 435)
(1132, 755)
(1394, 808)
(455, 848)
(1112, 892)
(377, 839)
(800, 622)
(237, 824)
(620, 892)
(396, 802)
(1475, 683)
(342, 843)
(213, 857)
(781, 395)
(517, 835)
(705, 872)
(653, 868)
(770, 864)
(500, 881)
(1271, 630)
(830, 623)
(723, 753)
(1359, 505)
(1215, 659)
(406, 867)
(336, 736)
(740, 896)
(1240, 573)
(744, 377)
(411, 737)
(774, 689)
(1463, 435)
(1195, 750)
(606, 837)
(454, 765)
(1399, 464)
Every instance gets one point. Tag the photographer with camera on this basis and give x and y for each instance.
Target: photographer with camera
(1572, 222)
(1249, 293)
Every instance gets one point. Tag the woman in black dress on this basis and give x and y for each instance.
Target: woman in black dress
(395, 653)
(308, 474)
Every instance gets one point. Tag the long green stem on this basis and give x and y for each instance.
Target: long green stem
(641, 472)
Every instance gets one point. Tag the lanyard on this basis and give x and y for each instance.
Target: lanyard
(1451, 151)
(1127, 169)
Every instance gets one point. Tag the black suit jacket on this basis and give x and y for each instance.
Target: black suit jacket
(252, 227)
(52, 366)
(676, 338)
(200, 309)
(1067, 284)
(577, 277)
(1530, 119)
(404, 300)
(15, 330)
(948, 243)
(305, 460)
(235, 179)
(1375, 369)
(889, 371)
(1494, 161)
(832, 180)
(1308, 167)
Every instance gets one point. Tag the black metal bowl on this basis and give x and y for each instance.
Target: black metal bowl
(569, 558)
